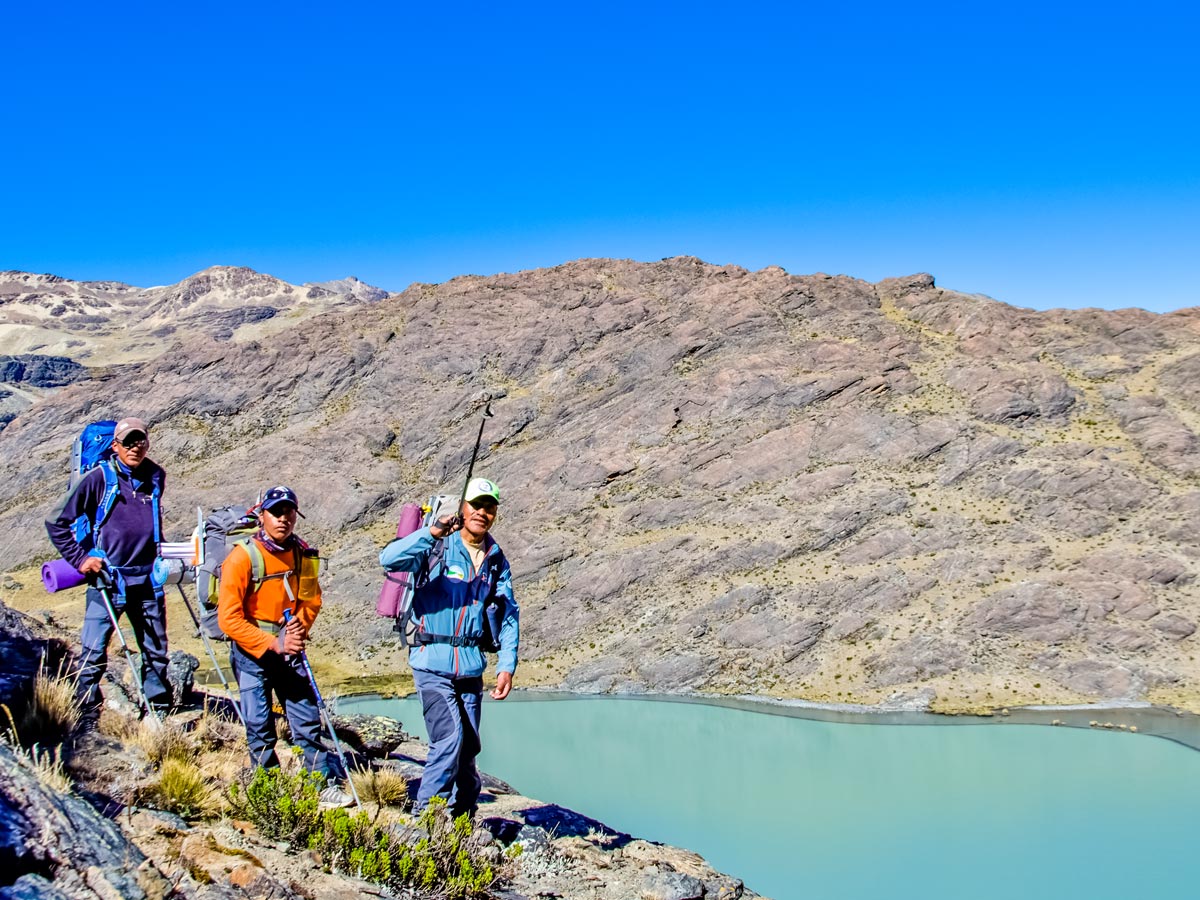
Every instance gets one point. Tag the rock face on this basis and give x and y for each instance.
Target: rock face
(713, 479)
(40, 371)
(56, 845)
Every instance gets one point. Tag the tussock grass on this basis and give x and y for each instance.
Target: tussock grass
(46, 765)
(54, 712)
(211, 732)
(163, 741)
(117, 725)
(44, 721)
(225, 764)
(387, 787)
(181, 788)
(49, 714)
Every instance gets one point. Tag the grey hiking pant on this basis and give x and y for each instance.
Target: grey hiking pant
(284, 677)
(146, 611)
(451, 709)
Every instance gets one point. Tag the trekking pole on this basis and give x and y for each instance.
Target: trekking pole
(104, 588)
(237, 707)
(487, 414)
(325, 717)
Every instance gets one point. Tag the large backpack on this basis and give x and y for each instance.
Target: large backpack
(93, 449)
(405, 623)
(94, 445)
(223, 529)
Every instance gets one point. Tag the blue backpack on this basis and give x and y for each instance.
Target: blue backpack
(94, 445)
(93, 448)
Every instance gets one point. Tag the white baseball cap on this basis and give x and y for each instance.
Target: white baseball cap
(481, 487)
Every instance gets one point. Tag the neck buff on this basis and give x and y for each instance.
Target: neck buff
(271, 545)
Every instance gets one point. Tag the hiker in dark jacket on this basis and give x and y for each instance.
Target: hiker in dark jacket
(125, 545)
(450, 607)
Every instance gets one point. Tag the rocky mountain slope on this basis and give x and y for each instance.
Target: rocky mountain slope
(104, 322)
(714, 479)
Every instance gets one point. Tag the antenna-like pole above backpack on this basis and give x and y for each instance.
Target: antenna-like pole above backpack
(487, 414)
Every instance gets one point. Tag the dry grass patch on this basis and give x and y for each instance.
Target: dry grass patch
(224, 765)
(49, 714)
(42, 723)
(387, 787)
(212, 732)
(119, 726)
(47, 766)
(163, 741)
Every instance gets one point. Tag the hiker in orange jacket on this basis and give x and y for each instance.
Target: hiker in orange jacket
(262, 577)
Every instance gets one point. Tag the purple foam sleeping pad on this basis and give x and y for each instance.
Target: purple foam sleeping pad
(395, 583)
(59, 575)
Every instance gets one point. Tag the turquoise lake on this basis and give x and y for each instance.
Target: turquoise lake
(861, 808)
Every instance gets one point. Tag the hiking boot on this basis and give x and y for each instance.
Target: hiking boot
(334, 797)
(89, 720)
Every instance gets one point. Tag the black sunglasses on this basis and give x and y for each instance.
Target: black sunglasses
(130, 441)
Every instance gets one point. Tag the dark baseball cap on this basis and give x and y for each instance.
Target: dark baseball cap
(279, 495)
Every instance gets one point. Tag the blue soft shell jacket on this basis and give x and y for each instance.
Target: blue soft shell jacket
(452, 602)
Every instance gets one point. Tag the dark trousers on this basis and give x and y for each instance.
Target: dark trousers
(283, 677)
(451, 709)
(146, 611)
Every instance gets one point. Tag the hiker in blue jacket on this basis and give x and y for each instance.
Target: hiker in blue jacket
(126, 545)
(469, 584)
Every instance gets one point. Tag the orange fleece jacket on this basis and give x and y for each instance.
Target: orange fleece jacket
(238, 606)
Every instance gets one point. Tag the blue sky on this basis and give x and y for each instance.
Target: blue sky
(1043, 154)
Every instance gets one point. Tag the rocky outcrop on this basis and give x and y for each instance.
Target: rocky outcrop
(40, 371)
(56, 845)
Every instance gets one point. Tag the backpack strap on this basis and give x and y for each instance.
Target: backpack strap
(454, 640)
(108, 499)
(112, 490)
(432, 560)
(156, 484)
(258, 563)
(494, 562)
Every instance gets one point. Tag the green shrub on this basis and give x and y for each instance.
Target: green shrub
(437, 854)
(282, 807)
(353, 844)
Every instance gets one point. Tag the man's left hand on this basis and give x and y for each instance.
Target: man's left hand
(503, 685)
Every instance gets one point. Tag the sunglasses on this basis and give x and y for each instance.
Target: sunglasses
(130, 442)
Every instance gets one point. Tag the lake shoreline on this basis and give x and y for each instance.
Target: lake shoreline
(1134, 717)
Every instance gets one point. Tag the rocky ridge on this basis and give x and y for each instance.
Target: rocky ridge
(716, 480)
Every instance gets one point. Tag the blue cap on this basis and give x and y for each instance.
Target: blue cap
(279, 495)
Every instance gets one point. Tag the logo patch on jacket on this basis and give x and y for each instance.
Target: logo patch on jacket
(455, 573)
